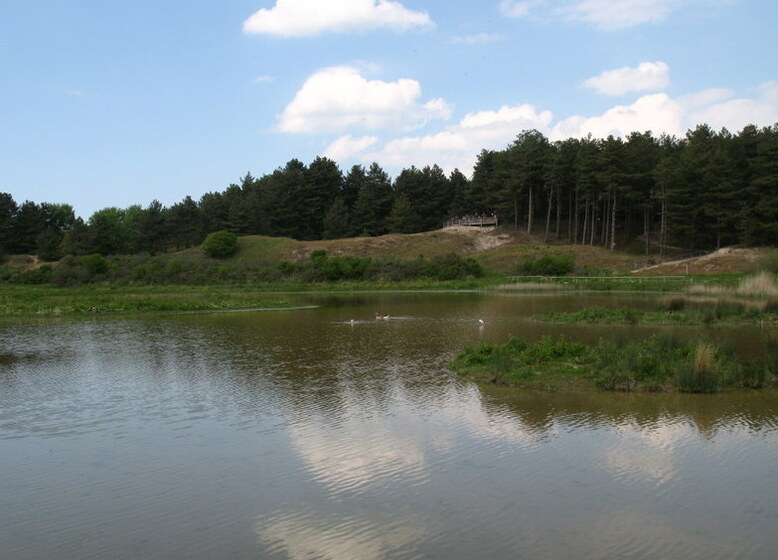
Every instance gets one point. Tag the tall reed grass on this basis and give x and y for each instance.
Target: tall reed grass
(761, 285)
(701, 375)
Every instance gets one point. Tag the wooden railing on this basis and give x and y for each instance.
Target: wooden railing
(478, 221)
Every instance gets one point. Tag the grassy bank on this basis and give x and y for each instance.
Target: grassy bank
(748, 299)
(703, 315)
(654, 364)
(42, 301)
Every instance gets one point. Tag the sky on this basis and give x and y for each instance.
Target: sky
(114, 103)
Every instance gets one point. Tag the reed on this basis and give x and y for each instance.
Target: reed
(762, 285)
(701, 375)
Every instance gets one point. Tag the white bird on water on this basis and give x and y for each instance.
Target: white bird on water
(381, 317)
(480, 321)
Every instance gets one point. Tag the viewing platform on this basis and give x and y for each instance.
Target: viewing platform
(475, 221)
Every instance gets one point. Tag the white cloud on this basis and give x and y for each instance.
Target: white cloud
(610, 14)
(647, 76)
(660, 113)
(605, 14)
(656, 112)
(734, 114)
(262, 80)
(305, 18)
(346, 146)
(477, 39)
(458, 146)
(704, 98)
(339, 98)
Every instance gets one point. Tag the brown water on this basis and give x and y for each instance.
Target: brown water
(299, 434)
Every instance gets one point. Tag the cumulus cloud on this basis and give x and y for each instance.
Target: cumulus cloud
(339, 98)
(647, 76)
(457, 146)
(346, 146)
(734, 114)
(607, 14)
(306, 18)
(662, 114)
(604, 14)
(657, 112)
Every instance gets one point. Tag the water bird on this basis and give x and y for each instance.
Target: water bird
(381, 317)
(480, 321)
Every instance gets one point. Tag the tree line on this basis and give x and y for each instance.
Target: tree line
(703, 191)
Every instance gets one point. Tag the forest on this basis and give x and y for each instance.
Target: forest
(641, 193)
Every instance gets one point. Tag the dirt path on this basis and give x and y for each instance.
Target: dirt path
(724, 261)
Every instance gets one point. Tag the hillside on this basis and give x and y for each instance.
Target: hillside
(496, 249)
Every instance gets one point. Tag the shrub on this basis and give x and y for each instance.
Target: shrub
(220, 244)
(546, 265)
(95, 264)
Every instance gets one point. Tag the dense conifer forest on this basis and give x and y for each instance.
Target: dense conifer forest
(642, 193)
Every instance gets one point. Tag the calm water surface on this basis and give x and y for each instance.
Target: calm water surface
(302, 435)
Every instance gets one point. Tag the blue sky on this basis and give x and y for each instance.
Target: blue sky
(110, 103)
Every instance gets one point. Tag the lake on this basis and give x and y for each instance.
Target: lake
(326, 434)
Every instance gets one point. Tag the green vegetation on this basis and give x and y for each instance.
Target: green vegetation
(220, 244)
(702, 315)
(32, 301)
(547, 264)
(751, 299)
(654, 364)
(192, 269)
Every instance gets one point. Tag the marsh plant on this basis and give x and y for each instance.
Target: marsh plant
(700, 374)
(762, 285)
(659, 363)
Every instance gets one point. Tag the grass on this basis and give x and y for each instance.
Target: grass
(654, 364)
(750, 301)
(716, 312)
(762, 285)
(42, 301)
(701, 376)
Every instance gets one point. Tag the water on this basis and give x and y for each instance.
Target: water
(301, 434)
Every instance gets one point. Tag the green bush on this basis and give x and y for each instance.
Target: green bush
(220, 244)
(546, 265)
(95, 264)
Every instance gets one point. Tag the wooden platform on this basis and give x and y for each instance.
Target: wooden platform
(475, 222)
